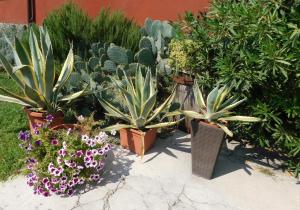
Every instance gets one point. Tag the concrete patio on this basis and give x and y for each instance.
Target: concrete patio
(163, 180)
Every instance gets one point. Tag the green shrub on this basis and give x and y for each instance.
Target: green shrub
(66, 25)
(114, 27)
(254, 46)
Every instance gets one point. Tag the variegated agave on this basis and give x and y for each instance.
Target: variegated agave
(217, 110)
(35, 73)
(140, 96)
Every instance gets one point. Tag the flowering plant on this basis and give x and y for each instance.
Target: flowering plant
(59, 161)
(182, 55)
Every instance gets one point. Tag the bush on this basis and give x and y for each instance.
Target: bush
(254, 47)
(66, 25)
(114, 27)
(70, 24)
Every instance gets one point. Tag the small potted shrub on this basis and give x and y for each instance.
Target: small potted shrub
(183, 60)
(61, 161)
(210, 126)
(35, 75)
(141, 115)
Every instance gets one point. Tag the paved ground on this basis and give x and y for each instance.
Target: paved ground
(162, 180)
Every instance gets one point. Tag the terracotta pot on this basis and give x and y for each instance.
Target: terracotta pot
(39, 118)
(183, 80)
(206, 141)
(132, 139)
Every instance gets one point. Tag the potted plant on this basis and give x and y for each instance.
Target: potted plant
(35, 75)
(210, 126)
(61, 161)
(184, 60)
(139, 132)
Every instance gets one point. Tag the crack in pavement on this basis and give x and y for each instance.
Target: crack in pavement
(110, 193)
(174, 203)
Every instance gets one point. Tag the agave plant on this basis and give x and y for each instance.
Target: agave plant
(140, 96)
(217, 110)
(35, 73)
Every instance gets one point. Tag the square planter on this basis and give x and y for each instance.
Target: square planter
(132, 139)
(206, 144)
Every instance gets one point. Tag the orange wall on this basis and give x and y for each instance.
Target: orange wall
(137, 9)
(13, 11)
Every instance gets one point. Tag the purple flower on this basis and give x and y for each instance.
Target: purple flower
(54, 142)
(45, 180)
(84, 137)
(38, 143)
(49, 118)
(62, 152)
(24, 135)
(70, 192)
(79, 153)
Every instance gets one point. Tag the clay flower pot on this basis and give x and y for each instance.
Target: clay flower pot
(133, 140)
(35, 118)
(206, 141)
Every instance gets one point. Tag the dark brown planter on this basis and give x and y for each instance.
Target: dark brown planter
(133, 140)
(206, 140)
(185, 97)
(35, 118)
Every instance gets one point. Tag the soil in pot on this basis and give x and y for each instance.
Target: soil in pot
(206, 141)
(133, 140)
(35, 118)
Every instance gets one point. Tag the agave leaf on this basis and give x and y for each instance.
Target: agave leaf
(222, 93)
(140, 122)
(35, 96)
(113, 111)
(72, 96)
(235, 104)
(139, 84)
(147, 87)
(45, 40)
(211, 98)
(116, 127)
(225, 129)
(65, 72)
(9, 69)
(158, 110)
(12, 100)
(22, 57)
(24, 100)
(171, 114)
(148, 106)
(38, 60)
(193, 114)
(49, 74)
(241, 118)
(198, 96)
(164, 124)
(229, 101)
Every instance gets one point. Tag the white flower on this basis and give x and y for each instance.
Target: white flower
(80, 118)
(85, 138)
(113, 132)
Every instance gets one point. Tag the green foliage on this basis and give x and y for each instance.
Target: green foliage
(254, 47)
(113, 27)
(183, 55)
(34, 73)
(69, 24)
(12, 119)
(140, 96)
(217, 108)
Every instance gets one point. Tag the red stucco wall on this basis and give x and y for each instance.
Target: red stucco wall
(13, 11)
(136, 9)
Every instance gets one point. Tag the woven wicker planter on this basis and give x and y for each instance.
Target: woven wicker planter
(206, 144)
(133, 140)
(185, 97)
(35, 118)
